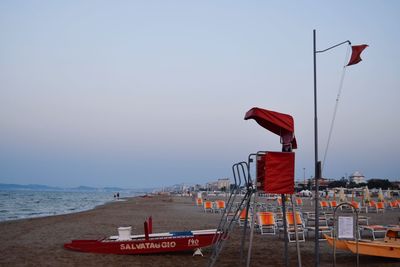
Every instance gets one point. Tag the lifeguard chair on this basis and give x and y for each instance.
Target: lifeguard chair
(274, 174)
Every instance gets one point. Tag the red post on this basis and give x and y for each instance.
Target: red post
(146, 231)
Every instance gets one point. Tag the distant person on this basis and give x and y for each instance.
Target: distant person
(118, 195)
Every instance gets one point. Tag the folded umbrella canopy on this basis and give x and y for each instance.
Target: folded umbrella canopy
(278, 123)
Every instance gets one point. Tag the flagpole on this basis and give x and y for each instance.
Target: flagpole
(318, 172)
(316, 176)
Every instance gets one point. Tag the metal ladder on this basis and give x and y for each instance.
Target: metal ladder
(231, 214)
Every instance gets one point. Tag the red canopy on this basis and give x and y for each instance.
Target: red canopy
(278, 123)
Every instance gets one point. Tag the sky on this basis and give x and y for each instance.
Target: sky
(153, 93)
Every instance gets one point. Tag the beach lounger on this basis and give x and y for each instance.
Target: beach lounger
(376, 231)
(266, 223)
(278, 206)
(356, 205)
(291, 232)
(372, 205)
(199, 201)
(219, 206)
(322, 231)
(380, 207)
(323, 228)
(324, 205)
(279, 219)
(394, 204)
(333, 204)
(242, 218)
(208, 206)
(299, 202)
(309, 217)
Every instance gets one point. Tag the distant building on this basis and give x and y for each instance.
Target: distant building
(310, 183)
(224, 184)
(197, 187)
(219, 185)
(212, 186)
(357, 178)
(322, 182)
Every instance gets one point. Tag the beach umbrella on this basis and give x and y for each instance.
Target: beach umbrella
(367, 195)
(381, 198)
(388, 194)
(342, 197)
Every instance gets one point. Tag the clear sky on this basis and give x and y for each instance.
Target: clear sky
(152, 93)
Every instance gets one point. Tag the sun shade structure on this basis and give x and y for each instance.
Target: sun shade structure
(278, 123)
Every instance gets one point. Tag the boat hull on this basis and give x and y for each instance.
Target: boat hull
(144, 246)
(379, 249)
(340, 244)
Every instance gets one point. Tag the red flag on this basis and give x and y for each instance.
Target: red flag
(356, 52)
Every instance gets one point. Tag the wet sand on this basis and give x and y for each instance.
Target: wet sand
(39, 241)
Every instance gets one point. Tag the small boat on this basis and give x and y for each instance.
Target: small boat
(388, 248)
(148, 243)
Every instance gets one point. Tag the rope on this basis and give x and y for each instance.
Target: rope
(336, 108)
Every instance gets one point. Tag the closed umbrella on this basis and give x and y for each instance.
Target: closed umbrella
(367, 195)
(342, 197)
(381, 198)
(388, 194)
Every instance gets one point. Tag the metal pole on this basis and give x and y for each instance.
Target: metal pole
(317, 177)
(285, 231)
(296, 231)
(318, 173)
(247, 207)
(316, 251)
(252, 227)
(255, 193)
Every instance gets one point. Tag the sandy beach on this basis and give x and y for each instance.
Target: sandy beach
(39, 241)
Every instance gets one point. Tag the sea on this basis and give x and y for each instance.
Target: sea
(20, 204)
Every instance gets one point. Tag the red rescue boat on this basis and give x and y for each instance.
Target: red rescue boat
(147, 243)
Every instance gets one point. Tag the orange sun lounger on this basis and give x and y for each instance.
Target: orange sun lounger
(291, 227)
(208, 206)
(219, 206)
(266, 223)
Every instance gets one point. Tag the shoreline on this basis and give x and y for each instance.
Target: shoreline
(39, 241)
(62, 206)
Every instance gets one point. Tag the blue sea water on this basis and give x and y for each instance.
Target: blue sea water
(16, 205)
